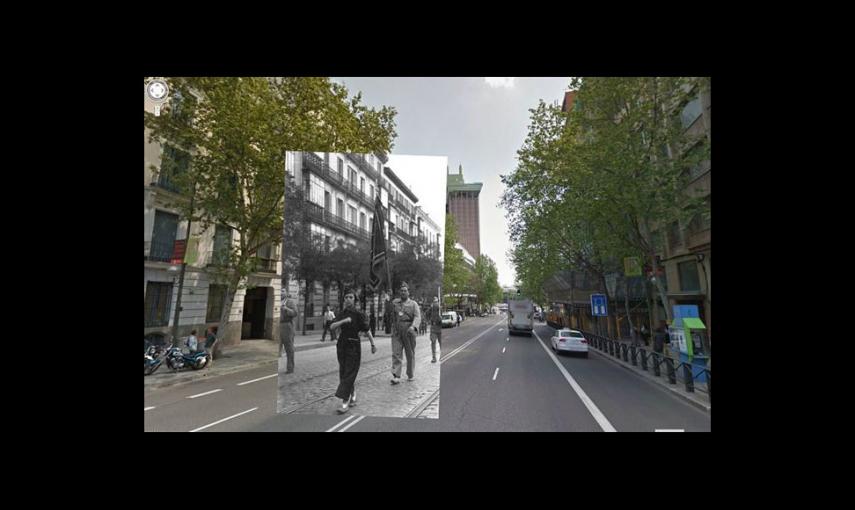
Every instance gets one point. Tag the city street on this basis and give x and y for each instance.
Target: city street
(490, 382)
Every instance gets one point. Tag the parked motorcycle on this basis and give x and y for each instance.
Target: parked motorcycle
(154, 356)
(176, 359)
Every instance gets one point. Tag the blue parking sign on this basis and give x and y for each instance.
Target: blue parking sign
(599, 305)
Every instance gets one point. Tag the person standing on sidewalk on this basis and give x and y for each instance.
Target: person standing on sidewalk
(407, 318)
(660, 339)
(329, 317)
(435, 327)
(286, 331)
(349, 349)
(372, 321)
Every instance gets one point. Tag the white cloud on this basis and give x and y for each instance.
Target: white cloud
(500, 82)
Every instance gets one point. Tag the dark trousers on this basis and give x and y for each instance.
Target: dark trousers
(349, 353)
(327, 328)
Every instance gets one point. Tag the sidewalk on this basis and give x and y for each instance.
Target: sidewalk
(699, 398)
(247, 355)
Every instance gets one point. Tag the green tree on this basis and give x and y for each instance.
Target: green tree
(455, 276)
(485, 282)
(237, 131)
(591, 185)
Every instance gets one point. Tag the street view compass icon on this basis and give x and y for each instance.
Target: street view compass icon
(157, 91)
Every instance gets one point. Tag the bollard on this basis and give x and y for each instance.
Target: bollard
(634, 354)
(709, 388)
(687, 373)
(644, 360)
(611, 347)
(617, 349)
(656, 364)
(624, 350)
(672, 375)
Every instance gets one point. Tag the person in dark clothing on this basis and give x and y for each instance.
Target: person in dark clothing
(660, 339)
(349, 349)
(372, 322)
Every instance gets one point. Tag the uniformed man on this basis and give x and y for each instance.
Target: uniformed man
(406, 320)
(435, 327)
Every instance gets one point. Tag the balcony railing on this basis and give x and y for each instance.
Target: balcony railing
(159, 251)
(318, 214)
(363, 164)
(315, 164)
(265, 265)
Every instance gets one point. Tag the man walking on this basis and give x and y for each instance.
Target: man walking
(406, 320)
(286, 331)
(435, 327)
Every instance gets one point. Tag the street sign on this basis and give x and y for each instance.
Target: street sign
(599, 306)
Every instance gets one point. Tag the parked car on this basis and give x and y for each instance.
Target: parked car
(570, 340)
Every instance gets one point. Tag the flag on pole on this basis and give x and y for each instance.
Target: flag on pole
(378, 245)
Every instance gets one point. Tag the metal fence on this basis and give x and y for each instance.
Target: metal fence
(632, 353)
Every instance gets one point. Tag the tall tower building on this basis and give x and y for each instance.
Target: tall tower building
(463, 206)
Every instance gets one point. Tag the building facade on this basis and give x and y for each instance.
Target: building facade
(340, 190)
(462, 204)
(255, 310)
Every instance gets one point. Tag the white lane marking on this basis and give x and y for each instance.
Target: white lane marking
(339, 424)
(496, 373)
(354, 422)
(668, 430)
(256, 380)
(508, 339)
(503, 349)
(206, 393)
(150, 408)
(468, 343)
(224, 419)
(592, 408)
(501, 329)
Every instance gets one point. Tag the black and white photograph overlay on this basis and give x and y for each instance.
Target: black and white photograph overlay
(360, 323)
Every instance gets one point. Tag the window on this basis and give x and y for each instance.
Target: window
(689, 276)
(371, 187)
(352, 211)
(340, 208)
(340, 166)
(362, 220)
(163, 236)
(222, 245)
(379, 167)
(174, 163)
(158, 300)
(674, 237)
(316, 189)
(351, 176)
(327, 202)
(216, 299)
(690, 112)
(362, 185)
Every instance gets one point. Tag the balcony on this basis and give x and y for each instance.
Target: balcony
(354, 190)
(159, 251)
(316, 165)
(363, 164)
(317, 214)
(265, 265)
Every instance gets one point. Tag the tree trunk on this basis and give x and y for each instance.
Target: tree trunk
(231, 290)
(645, 231)
(628, 313)
(306, 303)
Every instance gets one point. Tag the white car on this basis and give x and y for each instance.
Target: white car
(449, 320)
(570, 340)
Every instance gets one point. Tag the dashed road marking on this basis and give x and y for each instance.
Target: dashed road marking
(496, 373)
(206, 393)
(150, 408)
(224, 419)
(256, 380)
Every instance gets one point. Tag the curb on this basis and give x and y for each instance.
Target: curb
(707, 408)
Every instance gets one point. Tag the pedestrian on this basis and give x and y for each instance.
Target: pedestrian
(645, 335)
(407, 319)
(423, 325)
(329, 316)
(286, 331)
(372, 321)
(210, 341)
(435, 328)
(192, 342)
(458, 319)
(660, 338)
(349, 349)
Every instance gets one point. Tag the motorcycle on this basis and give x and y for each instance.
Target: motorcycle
(154, 356)
(176, 359)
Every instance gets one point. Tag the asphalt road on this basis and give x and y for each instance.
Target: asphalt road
(490, 381)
